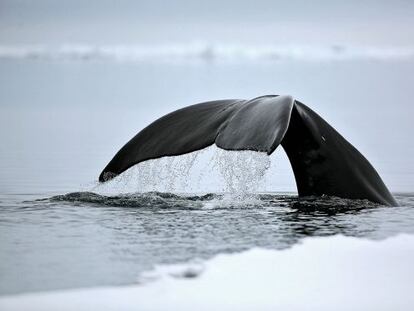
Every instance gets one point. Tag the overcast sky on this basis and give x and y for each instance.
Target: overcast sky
(156, 21)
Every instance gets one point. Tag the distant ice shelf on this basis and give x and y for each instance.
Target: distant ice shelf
(204, 52)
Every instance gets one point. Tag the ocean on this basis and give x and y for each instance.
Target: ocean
(64, 113)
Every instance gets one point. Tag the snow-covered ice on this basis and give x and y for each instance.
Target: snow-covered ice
(325, 273)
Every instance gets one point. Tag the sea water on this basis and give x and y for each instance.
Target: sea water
(61, 121)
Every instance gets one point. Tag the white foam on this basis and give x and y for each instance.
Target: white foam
(204, 52)
(331, 273)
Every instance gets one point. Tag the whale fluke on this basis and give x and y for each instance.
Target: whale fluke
(323, 162)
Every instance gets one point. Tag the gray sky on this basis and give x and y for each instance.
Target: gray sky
(363, 22)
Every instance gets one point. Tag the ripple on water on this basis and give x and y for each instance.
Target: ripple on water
(88, 239)
(100, 237)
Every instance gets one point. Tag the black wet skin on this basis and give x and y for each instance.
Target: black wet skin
(323, 162)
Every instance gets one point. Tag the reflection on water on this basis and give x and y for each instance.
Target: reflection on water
(86, 239)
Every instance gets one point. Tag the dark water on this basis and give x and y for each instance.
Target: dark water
(85, 239)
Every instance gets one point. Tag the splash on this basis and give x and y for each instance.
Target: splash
(243, 172)
(167, 174)
(239, 174)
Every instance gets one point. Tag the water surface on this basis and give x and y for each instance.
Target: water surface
(61, 121)
(84, 239)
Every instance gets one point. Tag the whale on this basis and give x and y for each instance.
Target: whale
(324, 163)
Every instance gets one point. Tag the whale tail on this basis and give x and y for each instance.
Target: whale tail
(323, 162)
